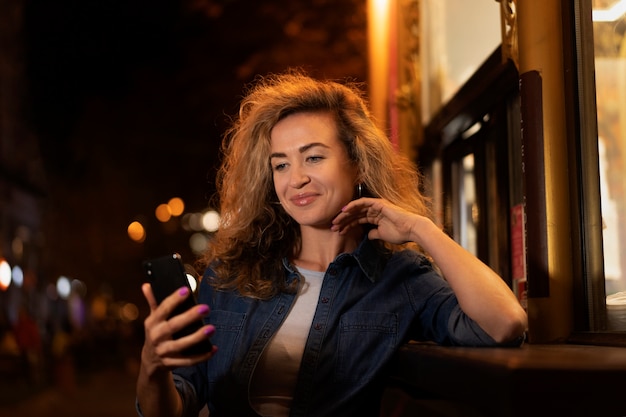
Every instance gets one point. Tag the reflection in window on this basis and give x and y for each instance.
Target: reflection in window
(458, 37)
(610, 227)
(610, 67)
(467, 216)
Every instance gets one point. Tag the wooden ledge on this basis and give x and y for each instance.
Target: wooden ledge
(533, 380)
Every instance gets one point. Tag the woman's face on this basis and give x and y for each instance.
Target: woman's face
(313, 176)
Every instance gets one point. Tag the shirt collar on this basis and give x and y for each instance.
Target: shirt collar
(370, 256)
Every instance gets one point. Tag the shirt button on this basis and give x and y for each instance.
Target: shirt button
(318, 326)
(325, 300)
(332, 272)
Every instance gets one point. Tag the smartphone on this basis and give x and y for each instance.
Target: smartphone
(166, 275)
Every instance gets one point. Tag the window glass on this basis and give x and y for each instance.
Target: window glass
(458, 36)
(610, 67)
(466, 216)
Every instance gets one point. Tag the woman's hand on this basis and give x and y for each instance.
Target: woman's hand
(156, 392)
(393, 224)
(162, 352)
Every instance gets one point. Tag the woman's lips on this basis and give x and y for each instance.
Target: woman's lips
(305, 199)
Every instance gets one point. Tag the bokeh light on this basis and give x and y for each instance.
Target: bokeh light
(136, 232)
(99, 307)
(211, 220)
(177, 206)
(18, 276)
(163, 213)
(79, 287)
(76, 310)
(17, 246)
(64, 287)
(193, 221)
(5, 274)
(129, 312)
(198, 242)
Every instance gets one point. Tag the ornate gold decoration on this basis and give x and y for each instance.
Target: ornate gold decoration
(407, 96)
(508, 24)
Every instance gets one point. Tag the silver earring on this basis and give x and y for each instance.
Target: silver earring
(359, 190)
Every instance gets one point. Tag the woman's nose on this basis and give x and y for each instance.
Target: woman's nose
(298, 178)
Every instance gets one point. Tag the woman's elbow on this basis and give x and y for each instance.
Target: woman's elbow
(512, 328)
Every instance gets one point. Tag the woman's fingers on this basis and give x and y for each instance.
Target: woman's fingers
(392, 224)
(361, 211)
(164, 325)
(172, 348)
(146, 289)
(160, 327)
(167, 354)
(350, 215)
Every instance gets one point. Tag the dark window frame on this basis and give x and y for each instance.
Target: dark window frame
(491, 98)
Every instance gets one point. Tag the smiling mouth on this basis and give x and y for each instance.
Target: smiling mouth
(303, 199)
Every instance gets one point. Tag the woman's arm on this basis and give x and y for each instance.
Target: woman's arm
(482, 293)
(156, 393)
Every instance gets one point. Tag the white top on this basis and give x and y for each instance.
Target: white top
(273, 380)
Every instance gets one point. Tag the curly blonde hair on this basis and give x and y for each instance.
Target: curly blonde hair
(255, 233)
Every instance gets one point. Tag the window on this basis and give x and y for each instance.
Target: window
(609, 33)
(600, 128)
(470, 140)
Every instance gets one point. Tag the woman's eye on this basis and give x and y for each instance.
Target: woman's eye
(279, 167)
(314, 158)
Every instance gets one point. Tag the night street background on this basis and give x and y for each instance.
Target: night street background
(110, 108)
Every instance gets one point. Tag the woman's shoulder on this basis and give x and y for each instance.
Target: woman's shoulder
(410, 265)
(411, 257)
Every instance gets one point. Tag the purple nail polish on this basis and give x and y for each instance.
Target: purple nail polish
(209, 330)
(183, 291)
(203, 309)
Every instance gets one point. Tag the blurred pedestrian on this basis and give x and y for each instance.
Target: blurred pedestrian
(28, 339)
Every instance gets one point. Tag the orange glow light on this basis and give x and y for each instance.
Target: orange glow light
(177, 206)
(163, 213)
(136, 232)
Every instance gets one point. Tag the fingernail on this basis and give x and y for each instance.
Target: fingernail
(203, 309)
(209, 330)
(183, 291)
(343, 208)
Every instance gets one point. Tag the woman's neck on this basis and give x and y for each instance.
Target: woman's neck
(320, 247)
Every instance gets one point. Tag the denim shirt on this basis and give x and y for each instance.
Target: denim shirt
(371, 302)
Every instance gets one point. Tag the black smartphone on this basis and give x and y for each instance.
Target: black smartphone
(166, 275)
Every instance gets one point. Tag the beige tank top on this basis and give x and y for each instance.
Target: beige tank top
(274, 379)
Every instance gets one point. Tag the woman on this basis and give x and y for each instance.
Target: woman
(318, 272)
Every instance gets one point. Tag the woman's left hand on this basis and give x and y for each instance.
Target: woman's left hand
(393, 224)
